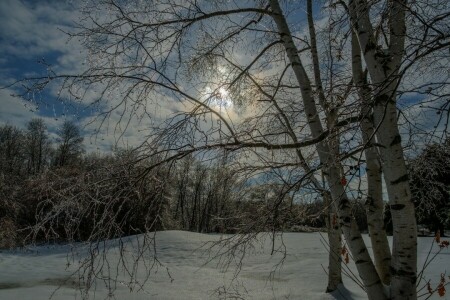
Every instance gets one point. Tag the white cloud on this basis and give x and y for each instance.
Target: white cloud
(31, 29)
(15, 111)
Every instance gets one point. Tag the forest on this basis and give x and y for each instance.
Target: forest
(58, 192)
(55, 191)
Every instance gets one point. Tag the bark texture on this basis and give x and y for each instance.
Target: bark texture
(374, 202)
(383, 66)
(335, 244)
(364, 264)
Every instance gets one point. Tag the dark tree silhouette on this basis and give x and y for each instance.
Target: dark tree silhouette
(430, 184)
(37, 146)
(70, 144)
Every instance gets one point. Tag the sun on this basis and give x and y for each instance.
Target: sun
(223, 92)
(219, 98)
(223, 99)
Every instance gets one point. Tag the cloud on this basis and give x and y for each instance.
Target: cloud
(15, 111)
(33, 29)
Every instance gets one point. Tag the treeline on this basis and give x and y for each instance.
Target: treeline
(56, 191)
(27, 156)
(30, 151)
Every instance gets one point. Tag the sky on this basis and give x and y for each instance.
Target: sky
(31, 33)
(33, 36)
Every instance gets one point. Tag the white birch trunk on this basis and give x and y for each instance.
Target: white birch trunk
(364, 264)
(383, 69)
(335, 245)
(374, 203)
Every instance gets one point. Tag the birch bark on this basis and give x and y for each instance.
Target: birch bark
(356, 244)
(335, 245)
(383, 66)
(374, 203)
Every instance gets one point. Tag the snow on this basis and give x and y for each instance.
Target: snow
(186, 270)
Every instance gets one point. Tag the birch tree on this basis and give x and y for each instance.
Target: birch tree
(374, 203)
(70, 144)
(236, 77)
(357, 247)
(383, 66)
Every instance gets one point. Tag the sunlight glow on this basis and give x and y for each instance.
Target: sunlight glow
(219, 98)
(223, 92)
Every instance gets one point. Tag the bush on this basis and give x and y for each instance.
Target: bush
(8, 234)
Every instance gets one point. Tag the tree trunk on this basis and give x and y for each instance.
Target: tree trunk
(335, 244)
(334, 231)
(364, 264)
(374, 202)
(404, 252)
(383, 68)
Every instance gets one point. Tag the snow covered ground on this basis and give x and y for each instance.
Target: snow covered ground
(181, 272)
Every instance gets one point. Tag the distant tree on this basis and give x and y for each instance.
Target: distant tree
(70, 144)
(11, 170)
(430, 184)
(360, 214)
(203, 195)
(37, 146)
(11, 154)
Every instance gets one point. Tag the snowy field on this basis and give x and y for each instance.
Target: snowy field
(183, 271)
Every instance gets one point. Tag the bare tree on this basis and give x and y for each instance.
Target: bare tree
(11, 158)
(205, 195)
(70, 144)
(251, 57)
(11, 171)
(37, 146)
